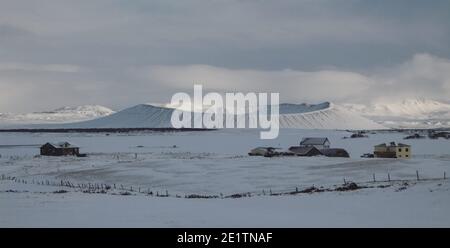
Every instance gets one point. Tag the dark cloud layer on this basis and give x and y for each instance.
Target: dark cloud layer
(119, 53)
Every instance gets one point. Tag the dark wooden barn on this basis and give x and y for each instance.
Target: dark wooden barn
(60, 149)
(305, 151)
(335, 152)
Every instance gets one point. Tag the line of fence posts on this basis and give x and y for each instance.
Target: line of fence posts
(62, 183)
(104, 186)
(389, 177)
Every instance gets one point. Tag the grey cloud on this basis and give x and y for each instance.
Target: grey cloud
(239, 34)
(10, 34)
(102, 51)
(9, 30)
(423, 75)
(39, 67)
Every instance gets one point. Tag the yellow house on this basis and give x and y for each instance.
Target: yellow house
(392, 150)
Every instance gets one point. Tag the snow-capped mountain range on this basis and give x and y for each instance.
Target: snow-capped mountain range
(409, 108)
(60, 115)
(407, 113)
(302, 116)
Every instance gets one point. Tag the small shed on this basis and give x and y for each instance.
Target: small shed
(319, 143)
(305, 151)
(60, 149)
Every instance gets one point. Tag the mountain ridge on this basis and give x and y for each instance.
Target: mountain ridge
(302, 116)
(59, 115)
(405, 113)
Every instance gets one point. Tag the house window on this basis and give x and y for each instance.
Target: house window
(400, 149)
(406, 149)
(407, 156)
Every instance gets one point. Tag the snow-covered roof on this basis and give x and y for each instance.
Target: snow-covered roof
(403, 145)
(381, 145)
(63, 144)
(300, 150)
(393, 145)
(314, 141)
(266, 148)
(335, 152)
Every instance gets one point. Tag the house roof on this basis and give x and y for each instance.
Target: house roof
(62, 144)
(267, 147)
(301, 150)
(403, 145)
(393, 145)
(381, 145)
(339, 152)
(314, 141)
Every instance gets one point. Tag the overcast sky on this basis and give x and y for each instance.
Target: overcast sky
(119, 53)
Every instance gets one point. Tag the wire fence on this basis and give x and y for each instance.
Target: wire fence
(119, 189)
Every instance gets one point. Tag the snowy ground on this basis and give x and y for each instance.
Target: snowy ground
(424, 205)
(216, 163)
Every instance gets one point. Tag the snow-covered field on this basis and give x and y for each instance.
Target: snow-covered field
(215, 163)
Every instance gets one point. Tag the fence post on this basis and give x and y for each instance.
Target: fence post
(345, 182)
(444, 175)
(374, 180)
(389, 177)
(417, 175)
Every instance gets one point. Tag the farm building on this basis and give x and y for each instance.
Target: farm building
(319, 143)
(358, 135)
(415, 136)
(305, 151)
(392, 150)
(335, 152)
(436, 135)
(262, 151)
(60, 149)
